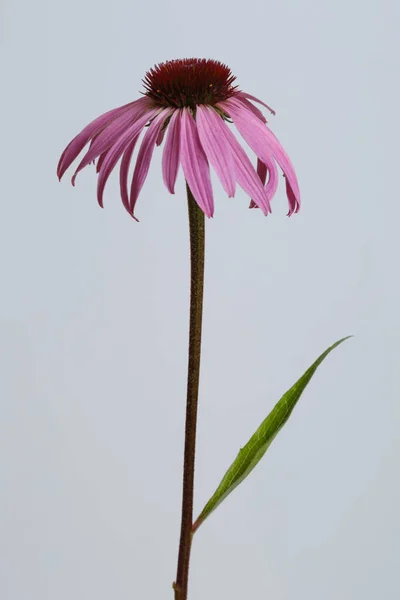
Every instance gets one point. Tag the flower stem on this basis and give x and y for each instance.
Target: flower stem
(196, 226)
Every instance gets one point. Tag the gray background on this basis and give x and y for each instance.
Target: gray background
(94, 313)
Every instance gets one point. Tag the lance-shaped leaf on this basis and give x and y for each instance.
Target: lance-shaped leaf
(259, 443)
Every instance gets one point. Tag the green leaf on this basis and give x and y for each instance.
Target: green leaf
(260, 441)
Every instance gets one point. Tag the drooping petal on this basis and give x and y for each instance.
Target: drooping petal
(100, 161)
(79, 142)
(294, 203)
(251, 107)
(116, 151)
(108, 136)
(123, 174)
(170, 158)
(262, 141)
(160, 137)
(145, 154)
(263, 169)
(272, 185)
(195, 164)
(262, 173)
(292, 186)
(217, 149)
(250, 97)
(246, 175)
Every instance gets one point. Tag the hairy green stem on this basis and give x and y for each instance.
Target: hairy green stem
(196, 226)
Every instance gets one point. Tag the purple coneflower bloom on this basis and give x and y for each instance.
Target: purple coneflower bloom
(190, 102)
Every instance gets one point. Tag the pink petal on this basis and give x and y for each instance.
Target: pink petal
(262, 173)
(262, 141)
(253, 108)
(170, 158)
(160, 138)
(123, 174)
(264, 169)
(292, 186)
(294, 203)
(145, 154)
(100, 161)
(110, 134)
(246, 175)
(195, 164)
(78, 143)
(250, 97)
(272, 185)
(217, 149)
(116, 151)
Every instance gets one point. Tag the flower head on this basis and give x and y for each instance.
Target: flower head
(190, 102)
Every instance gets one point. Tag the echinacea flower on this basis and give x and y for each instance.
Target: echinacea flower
(190, 102)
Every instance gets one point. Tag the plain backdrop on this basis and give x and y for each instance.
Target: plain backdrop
(94, 313)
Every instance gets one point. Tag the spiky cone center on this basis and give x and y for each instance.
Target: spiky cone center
(189, 82)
